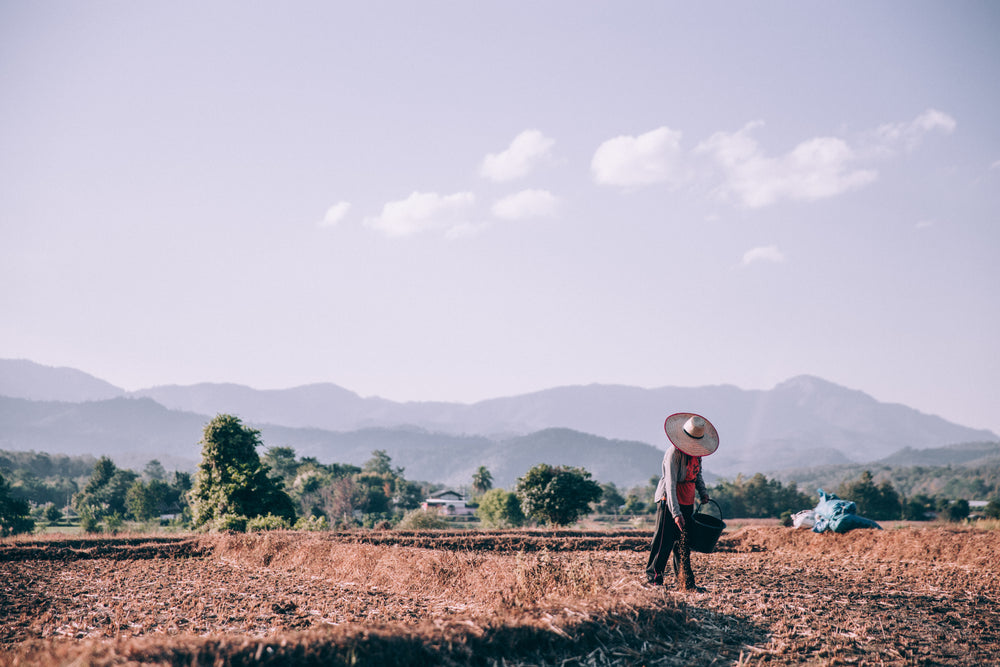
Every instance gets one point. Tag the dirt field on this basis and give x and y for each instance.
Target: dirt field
(906, 596)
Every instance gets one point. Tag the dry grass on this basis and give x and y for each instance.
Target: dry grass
(774, 596)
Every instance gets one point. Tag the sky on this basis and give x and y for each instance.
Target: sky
(457, 201)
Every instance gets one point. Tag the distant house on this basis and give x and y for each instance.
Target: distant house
(450, 503)
(169, 512)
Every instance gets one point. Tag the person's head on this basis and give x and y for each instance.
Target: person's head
(691, 433)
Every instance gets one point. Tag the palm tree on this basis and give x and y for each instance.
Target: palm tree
(482, 480)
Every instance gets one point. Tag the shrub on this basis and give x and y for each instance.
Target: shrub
(267, 522)
(500, 509)
(229, 522)
(312, 523)
(422, 520)
(89, 523)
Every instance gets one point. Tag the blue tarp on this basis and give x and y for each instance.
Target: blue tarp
(838, 515)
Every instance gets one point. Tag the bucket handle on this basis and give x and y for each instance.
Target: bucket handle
(717, 508)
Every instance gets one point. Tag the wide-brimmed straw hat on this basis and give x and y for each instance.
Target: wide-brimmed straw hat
(692, 434)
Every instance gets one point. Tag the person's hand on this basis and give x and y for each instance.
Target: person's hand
(705, 499)
(679, 520)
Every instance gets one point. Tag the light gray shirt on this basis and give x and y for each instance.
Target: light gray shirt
(674, 469)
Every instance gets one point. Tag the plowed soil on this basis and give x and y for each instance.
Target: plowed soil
(907, 596)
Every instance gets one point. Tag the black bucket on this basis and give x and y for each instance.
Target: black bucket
(705, 530)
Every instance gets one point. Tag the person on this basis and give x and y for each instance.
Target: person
(691, 437)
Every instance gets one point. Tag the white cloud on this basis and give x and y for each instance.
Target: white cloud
(815, 169)
(768, 253)
(909, 135)
(525, 152)
(335, 214)
(421, 212)
(924, 224)
(466, 230)
(526, 204)
(995, 165)
(650, 158)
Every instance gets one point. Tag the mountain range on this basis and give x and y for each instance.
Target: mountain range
(611, 430)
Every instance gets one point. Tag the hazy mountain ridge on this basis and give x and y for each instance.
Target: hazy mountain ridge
(20, 378)
(802, 422)
(959, 470)
(133, 431)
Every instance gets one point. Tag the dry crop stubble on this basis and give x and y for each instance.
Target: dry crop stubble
(774, 596)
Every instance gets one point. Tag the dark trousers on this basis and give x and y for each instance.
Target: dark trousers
(668, 540)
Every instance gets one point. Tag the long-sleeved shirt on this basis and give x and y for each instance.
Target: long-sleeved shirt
(674, 469)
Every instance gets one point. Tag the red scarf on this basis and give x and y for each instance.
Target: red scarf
(685, 488)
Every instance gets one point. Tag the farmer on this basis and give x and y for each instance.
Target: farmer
(691, 437)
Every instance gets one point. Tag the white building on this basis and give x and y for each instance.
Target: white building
(449, 503)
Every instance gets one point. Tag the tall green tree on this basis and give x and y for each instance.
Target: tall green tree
(611, 499)
(758, 497)
(231, 478)
(556, 495)
(880, 502)
(106, 492)
(381, 464)
(281, 460)
(14, 512)
(155, 470)
(482, 481)
(145, 501)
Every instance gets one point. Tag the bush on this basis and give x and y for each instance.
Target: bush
(236, 523)
(267, 522)
(312, 523)
(89, 523)
(422, 520)
(993, 509)
(500, 509)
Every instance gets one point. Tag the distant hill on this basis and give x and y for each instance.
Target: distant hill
(130, 431)
(968, 470)
(20, 378)
(802, 422)
(961, 454)
(134, 431)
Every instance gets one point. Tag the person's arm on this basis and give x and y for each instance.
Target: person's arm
(661, 486)
(672, 474)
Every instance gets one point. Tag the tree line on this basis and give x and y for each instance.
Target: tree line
(236, 488)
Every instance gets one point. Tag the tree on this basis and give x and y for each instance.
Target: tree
(381, 464)
(500, 509)
(482, 481)
(282, 461)
(106, 491)
(918, 507)
(145, 500)
(958, 510)
(154, 470)
(231, 478)
(875, 502)
(53, 514)
(556, 495)
(758, 497)
(611, 499)
(992, 509)
(14, 512)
